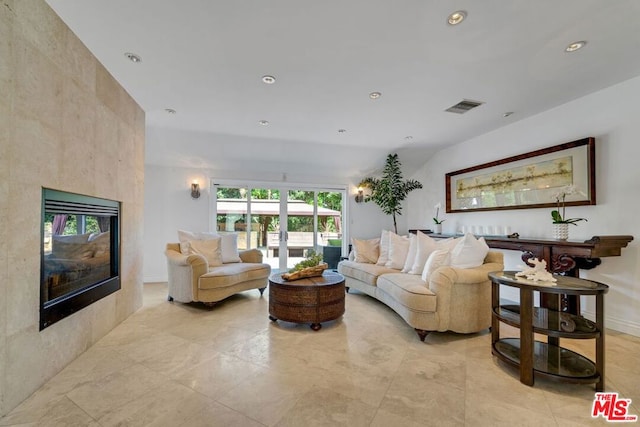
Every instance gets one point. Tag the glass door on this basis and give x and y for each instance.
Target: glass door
(285, 224)
(253, 214)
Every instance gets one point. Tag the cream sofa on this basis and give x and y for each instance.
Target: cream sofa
(454, 299)
(191, 279)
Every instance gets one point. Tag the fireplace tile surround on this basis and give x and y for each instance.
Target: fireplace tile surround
(64, 123)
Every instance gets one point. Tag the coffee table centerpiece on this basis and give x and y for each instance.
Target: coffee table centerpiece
(310, 267)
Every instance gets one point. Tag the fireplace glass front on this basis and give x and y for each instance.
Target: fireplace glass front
(80, 253)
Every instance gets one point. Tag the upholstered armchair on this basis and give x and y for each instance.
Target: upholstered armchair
(192, 279)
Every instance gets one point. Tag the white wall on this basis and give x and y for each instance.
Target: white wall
(611, 117)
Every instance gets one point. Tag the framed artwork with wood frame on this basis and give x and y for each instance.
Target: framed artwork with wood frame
(529, 180)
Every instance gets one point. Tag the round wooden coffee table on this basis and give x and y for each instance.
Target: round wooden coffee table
(311, 300)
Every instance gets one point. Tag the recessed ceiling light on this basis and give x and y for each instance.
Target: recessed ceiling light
(342, 130)
(456, 17)
(268, 79)
(264, 122)
(133, 57)
(575, 46)
(170, 110)
(375, 95)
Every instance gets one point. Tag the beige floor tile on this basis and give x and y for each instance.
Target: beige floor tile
(386, 419)
(102, 396)
(62, 412)
(216, 376)
(190, 365)
(487, 411)
(266, 398)
(322, 407)
(176, 361)
(217, 415)
(169, 404)
(420, 399)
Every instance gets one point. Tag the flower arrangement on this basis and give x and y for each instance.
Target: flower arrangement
(560, 201)
(436, 220)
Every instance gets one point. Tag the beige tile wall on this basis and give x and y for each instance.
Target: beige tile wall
(65, 123)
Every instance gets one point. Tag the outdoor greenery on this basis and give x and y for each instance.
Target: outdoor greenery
(270, 223)
(71, 226)
(389, 191)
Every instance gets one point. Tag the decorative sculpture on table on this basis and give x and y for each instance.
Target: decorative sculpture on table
(312, 266)
(537, 273)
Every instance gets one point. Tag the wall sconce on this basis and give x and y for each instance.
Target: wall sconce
(195, 190)
(359, 196)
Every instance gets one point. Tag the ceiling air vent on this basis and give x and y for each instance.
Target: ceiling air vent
(464, 106)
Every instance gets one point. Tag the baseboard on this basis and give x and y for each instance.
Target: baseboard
(619, 325)
(154, 279)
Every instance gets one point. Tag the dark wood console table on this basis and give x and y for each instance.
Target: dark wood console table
(562, 256)
(537, 358)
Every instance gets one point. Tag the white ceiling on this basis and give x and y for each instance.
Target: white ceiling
(205, 59)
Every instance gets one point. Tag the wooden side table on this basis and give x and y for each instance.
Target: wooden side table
(311, 300)
(549, 360)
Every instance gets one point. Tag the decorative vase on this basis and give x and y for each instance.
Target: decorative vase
(437, 228)
(561, 231)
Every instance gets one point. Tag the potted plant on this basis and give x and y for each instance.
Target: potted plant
(389, 191)
(437, 221)
(560, 221)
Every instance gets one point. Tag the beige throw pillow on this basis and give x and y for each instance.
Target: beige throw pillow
(210, 249)
(366, 251)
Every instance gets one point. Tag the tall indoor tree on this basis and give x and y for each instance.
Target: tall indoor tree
(389, 191)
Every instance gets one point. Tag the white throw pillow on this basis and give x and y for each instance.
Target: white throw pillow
(448, 244)
(398, 249)
(411, 254)
(210, 249)
(437, 259)
(384, 248)
(366, 251)
(425, 246)
(229, 244)
(469, 252)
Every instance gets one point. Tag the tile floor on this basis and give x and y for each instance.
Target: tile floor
(173, 364)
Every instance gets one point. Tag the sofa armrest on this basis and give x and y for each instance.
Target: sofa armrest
(184, 271)
(465, 276)
(251, 255)
(464, 294)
